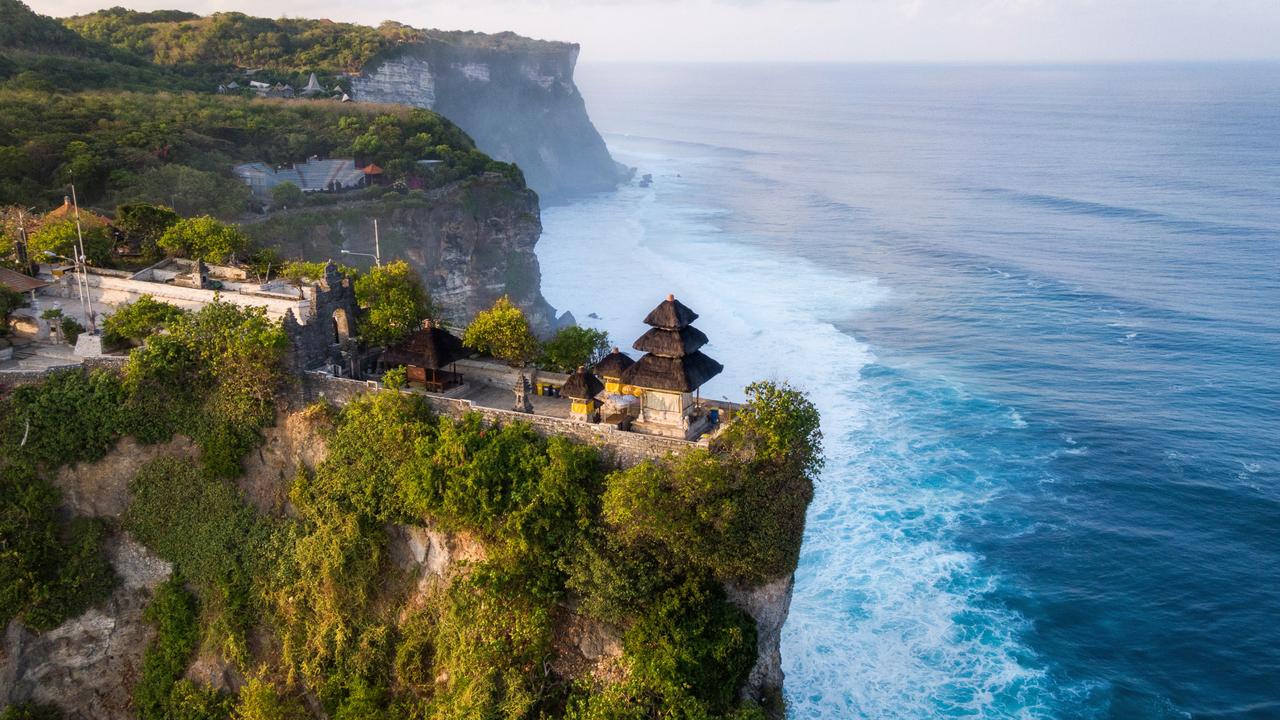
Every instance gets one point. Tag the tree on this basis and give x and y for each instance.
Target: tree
(143, 224)
(9, 301)
(286, 194)
(60, 237)
(503, 332)
(203, 238)
(395, 303)
(573, 346)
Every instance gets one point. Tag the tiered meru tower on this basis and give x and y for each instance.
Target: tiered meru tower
(670, 373)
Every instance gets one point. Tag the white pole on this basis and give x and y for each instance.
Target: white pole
(82, 281)
(377, 247)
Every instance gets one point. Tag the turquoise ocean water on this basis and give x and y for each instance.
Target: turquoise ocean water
(1039, 308)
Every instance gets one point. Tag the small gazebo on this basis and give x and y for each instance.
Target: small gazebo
(425, 354)
(671, 372)
(581, 388)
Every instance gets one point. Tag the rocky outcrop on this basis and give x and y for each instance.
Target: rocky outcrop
(472, 241)
(87, 665)
(101, 489)
(514, 96)
(768, 605)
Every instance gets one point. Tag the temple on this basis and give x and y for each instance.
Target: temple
(669, 374)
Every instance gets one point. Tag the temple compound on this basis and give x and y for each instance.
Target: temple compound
(668, 376)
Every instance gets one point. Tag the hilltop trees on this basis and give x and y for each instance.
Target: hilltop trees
(503, 332)
(203, 238)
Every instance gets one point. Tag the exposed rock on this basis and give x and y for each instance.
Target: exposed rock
(294, 441)
(586, 647)
(768, 604)
(101, 488)
(87, 666)
(216, 672)
(515, 96)
(429, 557)
(472, 241)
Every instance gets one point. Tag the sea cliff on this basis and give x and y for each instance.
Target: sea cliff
(515, 96)
(472, 241)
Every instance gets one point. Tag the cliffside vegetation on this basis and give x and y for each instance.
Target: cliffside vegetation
(311, 603)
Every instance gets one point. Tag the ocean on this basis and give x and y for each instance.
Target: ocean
(1039, 309)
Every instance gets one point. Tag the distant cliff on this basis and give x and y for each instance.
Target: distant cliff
(472, 242)
(514, 96)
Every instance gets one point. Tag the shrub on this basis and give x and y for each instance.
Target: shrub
(259, 700)
(143, 224)
(9, 301)
(31, 711)
(737, 509)
(395, 303)
(201, 525)
(173, 613)
(138, 320)
(70, 417)
(572, 347)
(503, 332)
(71, 329)
(49, 570)
(286, 194)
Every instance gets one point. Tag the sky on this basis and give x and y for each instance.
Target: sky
(963, 31)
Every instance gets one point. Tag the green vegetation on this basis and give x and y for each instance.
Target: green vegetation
(235, 39)
(161, 693)
(9, 301)
(61, 238)
(136, 321)
(203, 238)
(572, 347)
(395, 303)
(286, 195)
(503, 332)
(30, 711)
(142, 224)
(177, 150)
(50, 569)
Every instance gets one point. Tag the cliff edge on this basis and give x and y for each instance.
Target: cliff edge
(514, 96)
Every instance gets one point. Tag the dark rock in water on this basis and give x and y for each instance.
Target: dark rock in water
(565, 320)
(646, 181)
(513, 95)
(593, 316)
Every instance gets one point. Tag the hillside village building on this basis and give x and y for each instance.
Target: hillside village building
(314, 175)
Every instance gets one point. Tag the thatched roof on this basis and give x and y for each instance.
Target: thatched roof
(429, 347)
(614, 364)
(682, 374)
(671, 314)
(582, 385)
(671, 343)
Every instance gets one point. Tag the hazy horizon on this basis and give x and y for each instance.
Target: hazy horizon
(871, 31)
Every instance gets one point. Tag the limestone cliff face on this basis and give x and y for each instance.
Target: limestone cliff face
(472, 242)
(514, 96)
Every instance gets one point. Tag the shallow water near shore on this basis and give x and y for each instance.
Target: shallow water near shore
(1039, 309)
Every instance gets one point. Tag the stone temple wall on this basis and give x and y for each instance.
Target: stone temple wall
(327, 339)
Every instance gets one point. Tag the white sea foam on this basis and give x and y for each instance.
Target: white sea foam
(888, 619)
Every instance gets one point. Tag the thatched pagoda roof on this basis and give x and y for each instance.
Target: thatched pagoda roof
(670, 314)
(582, 385)
(614, 364)
(671, 343)
(673, 374)
(430, 347)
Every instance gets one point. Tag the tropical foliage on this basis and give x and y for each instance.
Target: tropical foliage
(503, 332)
(203, 238)
(395, 303)
(138, 320)
(573, 346)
